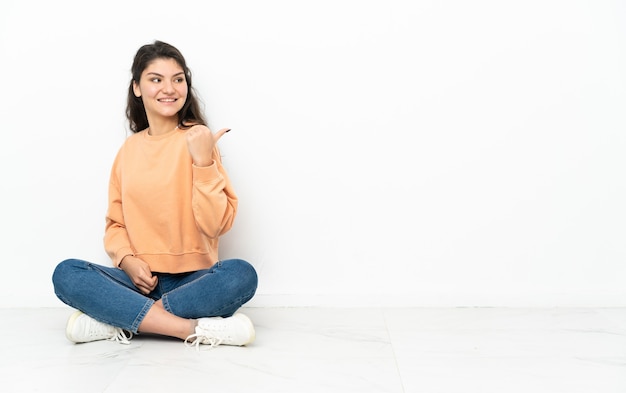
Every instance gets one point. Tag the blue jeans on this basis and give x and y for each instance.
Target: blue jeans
(108, 295)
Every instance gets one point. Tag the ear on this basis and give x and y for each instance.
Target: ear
(136, 89)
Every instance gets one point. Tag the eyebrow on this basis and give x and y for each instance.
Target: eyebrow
(157, 74)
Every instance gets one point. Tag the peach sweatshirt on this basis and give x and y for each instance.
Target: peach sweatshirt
(165, 210)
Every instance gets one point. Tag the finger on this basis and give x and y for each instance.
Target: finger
(221, 132)
(146, 281)
(193, 132)
(142, 287)
(198, 129)
(145, 288)
(154, 283)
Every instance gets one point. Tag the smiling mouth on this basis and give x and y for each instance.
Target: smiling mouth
(167, 100)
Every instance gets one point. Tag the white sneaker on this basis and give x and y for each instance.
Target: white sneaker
(81, 328)
(236, 330)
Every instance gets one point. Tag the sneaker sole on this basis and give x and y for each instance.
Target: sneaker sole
(244, 318)
(70, 324)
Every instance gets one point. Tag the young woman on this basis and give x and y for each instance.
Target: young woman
(170, 200)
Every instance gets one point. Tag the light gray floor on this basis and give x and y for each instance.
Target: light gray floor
(325, 350)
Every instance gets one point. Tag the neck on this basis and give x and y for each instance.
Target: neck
(161, 127)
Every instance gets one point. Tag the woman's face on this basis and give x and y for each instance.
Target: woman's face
(162, 88)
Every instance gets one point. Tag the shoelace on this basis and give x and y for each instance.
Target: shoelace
(194, 340)
(120, 337)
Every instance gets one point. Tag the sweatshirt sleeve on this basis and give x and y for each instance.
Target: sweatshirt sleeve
(214, 201)
(116, 241)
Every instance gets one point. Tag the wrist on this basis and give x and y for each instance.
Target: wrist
(119, 265)
(202, 164)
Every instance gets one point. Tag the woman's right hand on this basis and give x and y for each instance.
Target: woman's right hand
(139, 273)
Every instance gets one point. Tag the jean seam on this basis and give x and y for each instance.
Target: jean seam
(142, 315)
(166, 303)
(238, 302)
(186, 285)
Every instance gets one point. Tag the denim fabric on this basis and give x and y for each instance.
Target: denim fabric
(108, 295)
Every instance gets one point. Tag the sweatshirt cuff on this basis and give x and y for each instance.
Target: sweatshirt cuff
(205, 174)
(120, 254)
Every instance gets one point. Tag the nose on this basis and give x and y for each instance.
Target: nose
(168, 87)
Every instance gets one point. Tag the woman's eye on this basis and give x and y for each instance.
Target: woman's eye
(156, 80)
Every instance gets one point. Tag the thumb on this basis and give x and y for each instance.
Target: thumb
(221, 132)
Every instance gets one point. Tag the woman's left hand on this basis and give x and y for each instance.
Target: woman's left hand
(201, 142)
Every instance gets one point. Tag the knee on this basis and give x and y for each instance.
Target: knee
(245, 272)
(64, 273)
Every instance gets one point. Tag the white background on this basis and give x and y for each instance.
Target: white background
(425, 153)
